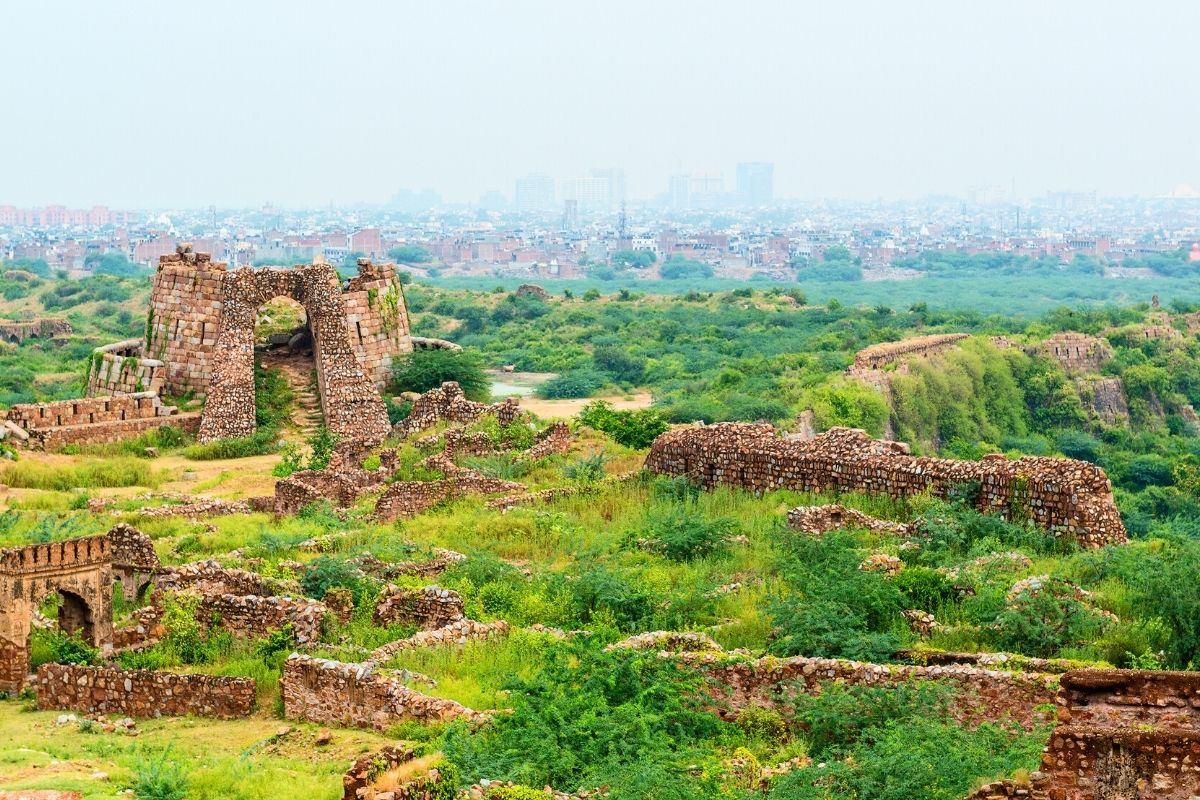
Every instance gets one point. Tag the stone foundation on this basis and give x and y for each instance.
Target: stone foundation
(1060, 495)
(141, 693)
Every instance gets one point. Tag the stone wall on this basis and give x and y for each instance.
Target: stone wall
(448, 403)
(1099, 698)
(96, 420)
(983, 695)
(335, 693)
(356, 783)
(822, 519)
(880, 355)
(407, 498)
(41, 328)
(120, 368)
(142, 693)
(431, 607)
(1060, 495)
(209, 577)
(134, 562)
(258, 617)
(377, 319)
(1078, 352)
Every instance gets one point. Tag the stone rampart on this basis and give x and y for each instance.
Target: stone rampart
(134, 562)
(377, 319)
(336, 693)
(17, 331)
(121, 368)
(1077, 352)
(59, 413)
(1126, 698)
(184, 319)
(431, 607)
(142, 693)
(1060, 495)
(209, 577)
(880, 355)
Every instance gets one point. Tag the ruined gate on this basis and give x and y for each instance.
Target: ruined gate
(80, 570)
(351, 404)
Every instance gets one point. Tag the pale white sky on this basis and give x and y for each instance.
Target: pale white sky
(159, 103)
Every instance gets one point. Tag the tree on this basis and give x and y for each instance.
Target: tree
(678, 268)
(423, 370)
(410, 254)
(635, 259)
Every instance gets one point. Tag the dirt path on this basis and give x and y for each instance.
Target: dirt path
(556, 409)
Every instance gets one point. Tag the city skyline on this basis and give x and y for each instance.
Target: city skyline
(247, 104)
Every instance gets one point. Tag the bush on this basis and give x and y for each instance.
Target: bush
(161, 778)
(261, 442)
(423, 370)
(1079, 445)
(635, 429)
(682, 534)
(325, 573)
(66, 648)
(576, 383)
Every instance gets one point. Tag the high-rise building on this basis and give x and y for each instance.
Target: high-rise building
(756, 183)
(695, 190)
(534, 192)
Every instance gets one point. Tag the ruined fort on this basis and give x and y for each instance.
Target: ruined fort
(1073, 498)
(199, 340)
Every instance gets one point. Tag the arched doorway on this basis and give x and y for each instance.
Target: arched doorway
(349, 401)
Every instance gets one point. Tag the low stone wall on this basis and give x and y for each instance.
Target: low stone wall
(1058, 494)
(141, 693)
(198, 507)
(447, 402)
(407, 498)
(458, 632)
(335, 693)
(54, 439)
(142, 405)
(879, 355)
(822, 519)
(983, 694)
(356, 783)
(259, 617)
(430, 607)
(209, 577)
(121, 368)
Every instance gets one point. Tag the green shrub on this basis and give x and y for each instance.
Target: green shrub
(160, 778)
(325, 573)
(683, 534)
(635, 429)
(423, 370)
(576, 383)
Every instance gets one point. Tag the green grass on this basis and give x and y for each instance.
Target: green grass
(92, 474)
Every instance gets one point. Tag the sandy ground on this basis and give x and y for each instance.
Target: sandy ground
(553, 409)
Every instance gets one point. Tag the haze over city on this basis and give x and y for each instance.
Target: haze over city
(238, 104)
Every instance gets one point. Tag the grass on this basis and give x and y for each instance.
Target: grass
(91, 474)
(224, 759)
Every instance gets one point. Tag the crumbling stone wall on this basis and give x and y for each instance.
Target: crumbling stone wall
(356, 783)
(80, 570)
(95, 420)
(142, 693)
(822, 519)
(259, 617)
(884, 353)
(1060, 495)
(134, 562)
(351, 404)
(407, 498)
(209, 577)
(448, 403)
(982, 694)
(377, 319)
(1123, 735)
(431, 607)
(120, 368)
(1078, 352)
(17, 331)
(336, 693)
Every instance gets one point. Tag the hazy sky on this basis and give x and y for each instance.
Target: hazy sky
(145, 104)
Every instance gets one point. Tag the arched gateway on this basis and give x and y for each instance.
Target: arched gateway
(79, 571)
(351, 404)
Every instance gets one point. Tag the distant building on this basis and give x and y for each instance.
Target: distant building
(534, 192)
(756, 183)
(367, 241)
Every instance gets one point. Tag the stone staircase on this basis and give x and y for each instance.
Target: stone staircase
(306, 415)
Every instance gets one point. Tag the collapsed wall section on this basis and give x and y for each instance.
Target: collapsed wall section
(1060, 495)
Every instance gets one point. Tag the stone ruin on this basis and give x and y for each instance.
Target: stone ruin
(1064, 496)
(1122, 734)
(344, 480)
(880, 355)
(17, 331)
(1077, 352)
(134, 562)
(79, 571)
(815, 520)
(92, 420)
(430, 608)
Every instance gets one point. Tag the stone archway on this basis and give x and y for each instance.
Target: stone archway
(80, 570)
(351, 405)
